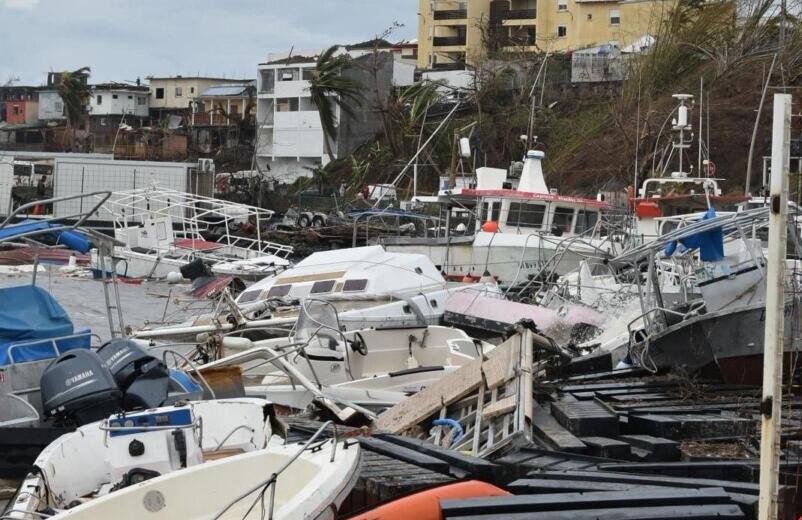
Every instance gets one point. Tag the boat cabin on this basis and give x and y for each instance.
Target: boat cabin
(527, 205)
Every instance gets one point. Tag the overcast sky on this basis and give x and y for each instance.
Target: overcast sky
(125, 39)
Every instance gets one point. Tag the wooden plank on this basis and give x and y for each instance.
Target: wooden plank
(455, 386)
(502, 407)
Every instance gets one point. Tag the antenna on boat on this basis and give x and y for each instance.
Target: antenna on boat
(680, 126)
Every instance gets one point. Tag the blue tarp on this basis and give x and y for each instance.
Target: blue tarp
(28, 313)
(72, 239)
(710, 243)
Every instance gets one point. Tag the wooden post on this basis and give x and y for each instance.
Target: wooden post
(775, 305)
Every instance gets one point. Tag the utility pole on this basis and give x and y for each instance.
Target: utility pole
(775, 306)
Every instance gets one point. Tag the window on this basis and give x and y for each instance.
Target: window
(100, 100)
(585, 220)
(15, 110)
(492, 211)
(250, 296)
(526, 215)
(355, 285)
(562, 219)
(615, 17)
(114, 96)
(178, 92)
(191, 90)
(562, 5)
(277, 291)
(159, 93)
(307, 74)
(287, 105)
(590, 17)
(140, 100)
(324, 286)
(58, 106)
(130, 97)
(288, 74)
(562, 31)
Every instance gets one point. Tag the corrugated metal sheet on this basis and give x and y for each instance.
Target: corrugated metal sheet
(225, 90)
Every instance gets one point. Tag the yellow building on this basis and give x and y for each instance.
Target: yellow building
(177, 93)
(451, 33)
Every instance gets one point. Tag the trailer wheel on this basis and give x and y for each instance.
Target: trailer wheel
(304, 220)
(318, 221)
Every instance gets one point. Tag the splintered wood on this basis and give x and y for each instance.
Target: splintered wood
(491, 398)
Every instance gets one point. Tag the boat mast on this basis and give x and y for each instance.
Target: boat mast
(775, 306)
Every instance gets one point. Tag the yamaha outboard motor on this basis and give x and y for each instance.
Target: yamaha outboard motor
(142, 378)
(78, 388)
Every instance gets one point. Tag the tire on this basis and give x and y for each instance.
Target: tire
(318, 221)
(304, 220)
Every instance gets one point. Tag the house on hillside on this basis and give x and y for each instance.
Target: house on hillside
(224, 105)
(289, 137)
(113, 104)
(179, 95)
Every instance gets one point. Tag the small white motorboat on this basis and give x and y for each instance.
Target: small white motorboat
(200, 460)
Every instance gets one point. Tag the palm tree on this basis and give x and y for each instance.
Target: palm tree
(329, 89)
(75, 93)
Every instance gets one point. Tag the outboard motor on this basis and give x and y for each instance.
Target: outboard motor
(142, 378)
(78, 388)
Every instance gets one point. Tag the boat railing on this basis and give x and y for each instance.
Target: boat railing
(549, 266)
(366, 217)
(262, 246)
(52, 342)
(70, 222)
(269, 484)
(651, 326)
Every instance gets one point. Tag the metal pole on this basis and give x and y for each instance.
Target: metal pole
(420, 149)
(701, 113)
(754, 129)
(775, 305)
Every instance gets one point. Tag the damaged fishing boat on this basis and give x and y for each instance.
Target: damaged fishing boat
(722, 328)
(162, 230)
(515, 228)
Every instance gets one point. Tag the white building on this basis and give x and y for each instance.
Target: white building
(289, 133)
(51, 106)
(118, 99)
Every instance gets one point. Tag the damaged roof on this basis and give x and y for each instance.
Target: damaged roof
(227, 90)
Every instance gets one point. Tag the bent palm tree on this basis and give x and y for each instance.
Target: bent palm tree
(75, 94)
(329, 89)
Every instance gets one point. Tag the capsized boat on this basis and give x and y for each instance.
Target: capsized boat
(721, 328)
(368, 287)
(147, 464)
(162, 230)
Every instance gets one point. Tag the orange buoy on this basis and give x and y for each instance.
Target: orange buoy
(425, 505)
(491, 226)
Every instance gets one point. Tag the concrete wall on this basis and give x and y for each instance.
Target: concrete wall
(21, 112)
(51, 106)
(118, 102)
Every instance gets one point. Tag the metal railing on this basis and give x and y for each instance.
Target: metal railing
(520, 14)
(52, 342)
(451, 14)
(445, 41)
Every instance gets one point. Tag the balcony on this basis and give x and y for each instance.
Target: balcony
(521, 14)
(451, 14)
(449, 66)
(445, 41)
